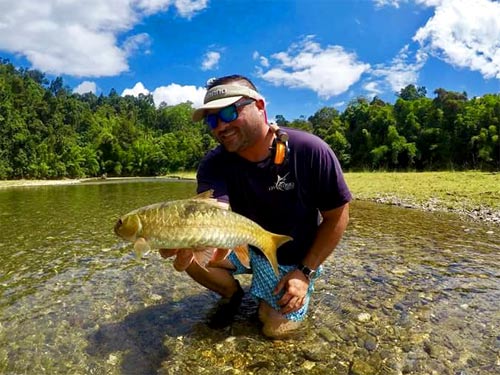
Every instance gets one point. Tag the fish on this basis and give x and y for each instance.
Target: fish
(200, 223)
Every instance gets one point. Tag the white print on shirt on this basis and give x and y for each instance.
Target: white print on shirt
(282, 184)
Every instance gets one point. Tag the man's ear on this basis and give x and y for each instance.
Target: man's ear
(261, 106)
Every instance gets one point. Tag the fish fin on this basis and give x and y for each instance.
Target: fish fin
(208, 197)
(203, 256)
(220, 254)
(205, 195)
(219, 259)
(141, 247)
(270, 252)
(243, 255)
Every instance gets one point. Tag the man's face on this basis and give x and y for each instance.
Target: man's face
(243, 132)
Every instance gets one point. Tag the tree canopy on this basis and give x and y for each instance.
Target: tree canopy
(46, 131)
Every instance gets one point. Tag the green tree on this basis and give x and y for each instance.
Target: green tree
(412, 92)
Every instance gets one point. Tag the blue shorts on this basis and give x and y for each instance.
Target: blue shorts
(264, 280)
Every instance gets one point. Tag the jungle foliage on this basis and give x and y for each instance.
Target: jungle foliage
(46, 131)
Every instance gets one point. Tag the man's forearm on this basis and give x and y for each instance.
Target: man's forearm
(329, 234)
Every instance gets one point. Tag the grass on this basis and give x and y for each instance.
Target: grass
(444, 190)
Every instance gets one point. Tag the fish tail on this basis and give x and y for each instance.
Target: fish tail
(276, 240)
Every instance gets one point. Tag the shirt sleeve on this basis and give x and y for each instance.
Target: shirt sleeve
(322, 181)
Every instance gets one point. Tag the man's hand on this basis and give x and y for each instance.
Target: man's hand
(183, 259)
(295, 285)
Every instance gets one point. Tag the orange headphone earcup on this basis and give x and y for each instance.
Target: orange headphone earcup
(280, 153)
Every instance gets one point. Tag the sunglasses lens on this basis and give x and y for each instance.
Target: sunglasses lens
(228, 114)
(212, 120)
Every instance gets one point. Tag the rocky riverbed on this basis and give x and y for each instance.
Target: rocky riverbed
(407, 292)
(480, 213)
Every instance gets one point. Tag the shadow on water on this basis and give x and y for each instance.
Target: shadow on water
(140, 336)
(147, 338)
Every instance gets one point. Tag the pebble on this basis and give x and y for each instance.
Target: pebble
(399, 270)
(156, 297)
(399, 306)
(314, 354)
(112, 359)
(370, 343)
(327, 334)
(308, 365)
(359, 367)
(364, 317)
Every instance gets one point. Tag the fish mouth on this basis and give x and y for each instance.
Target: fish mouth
(117, 227)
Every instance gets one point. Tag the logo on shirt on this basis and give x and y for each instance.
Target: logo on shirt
(282, 184)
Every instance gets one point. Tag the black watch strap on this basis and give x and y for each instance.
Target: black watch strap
(309, 273)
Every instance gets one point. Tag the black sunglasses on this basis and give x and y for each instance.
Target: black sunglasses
(226, 114)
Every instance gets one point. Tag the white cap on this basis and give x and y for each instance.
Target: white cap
(222, 96)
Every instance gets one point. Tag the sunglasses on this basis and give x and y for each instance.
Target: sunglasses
(226, 114)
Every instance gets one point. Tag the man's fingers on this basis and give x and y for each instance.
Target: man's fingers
(183, 259)
(294, 304)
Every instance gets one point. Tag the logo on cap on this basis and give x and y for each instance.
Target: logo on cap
(217, 92)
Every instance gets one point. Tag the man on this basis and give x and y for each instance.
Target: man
(290, 183)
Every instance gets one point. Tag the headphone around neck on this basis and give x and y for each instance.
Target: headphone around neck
(279, 148)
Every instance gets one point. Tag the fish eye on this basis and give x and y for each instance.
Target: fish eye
(120, 222)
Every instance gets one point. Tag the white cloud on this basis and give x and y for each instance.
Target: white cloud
(85, 87)
(383, 3)
(187, 8)
(137, 42)
(397, 3)
(372, 88)
(171, 95)
(175, 94)
(466, 34)
(400, 73)
(210, 60)
(328, 72)
(264, 61)
(79, 37)
(136, 90)
(430, 3)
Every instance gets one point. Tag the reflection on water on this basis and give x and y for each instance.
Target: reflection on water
(407, 292)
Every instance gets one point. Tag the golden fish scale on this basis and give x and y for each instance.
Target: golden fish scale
(197, 224)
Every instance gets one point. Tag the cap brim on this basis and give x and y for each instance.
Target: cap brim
(199, 113)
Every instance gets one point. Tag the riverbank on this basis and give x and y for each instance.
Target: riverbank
(472, 194)
(68, 181)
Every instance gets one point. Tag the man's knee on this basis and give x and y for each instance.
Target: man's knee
(219, 280)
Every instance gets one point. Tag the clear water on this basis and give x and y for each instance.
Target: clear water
(406, 292)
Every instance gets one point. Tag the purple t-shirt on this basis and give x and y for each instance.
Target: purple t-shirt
(283, 199)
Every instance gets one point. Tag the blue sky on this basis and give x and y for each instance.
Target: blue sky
(302, 55)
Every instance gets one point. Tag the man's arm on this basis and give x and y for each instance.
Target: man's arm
(329, 234)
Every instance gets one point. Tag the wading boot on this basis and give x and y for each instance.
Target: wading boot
(226, 310)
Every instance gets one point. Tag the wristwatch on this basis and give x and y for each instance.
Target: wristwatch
(309, 273)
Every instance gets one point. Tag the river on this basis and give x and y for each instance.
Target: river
(406, 292)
